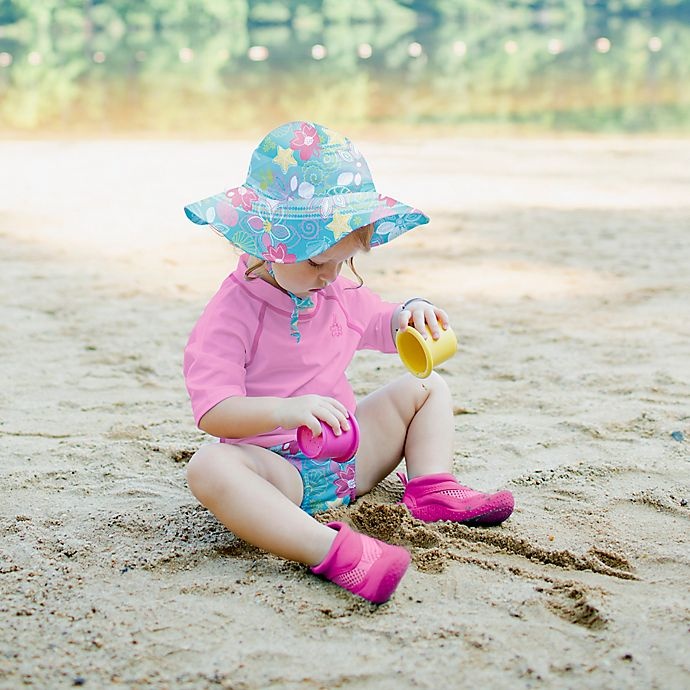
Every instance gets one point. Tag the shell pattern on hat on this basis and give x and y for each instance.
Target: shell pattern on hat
(307, 187)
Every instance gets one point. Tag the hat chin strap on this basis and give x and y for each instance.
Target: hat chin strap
(298, 304)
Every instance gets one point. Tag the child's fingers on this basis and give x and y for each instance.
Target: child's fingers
(422, 315)
(335, 414)
(434, 325)
(338, 406)
(332, 419)
(341, 412)
(427, 317)
(419, 321)
(411, 317)
(314, 425)
(433, 318)
(443, 319)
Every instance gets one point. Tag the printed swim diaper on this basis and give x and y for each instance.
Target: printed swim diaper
(327, 484)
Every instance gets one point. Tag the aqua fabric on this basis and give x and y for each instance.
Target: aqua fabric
(299, 304)
(327, 484)
(307, 187)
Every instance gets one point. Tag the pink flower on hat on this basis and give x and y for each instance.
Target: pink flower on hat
(306, 141)
(383, 210)
(389, 201)
(242, 196)
(278, 254)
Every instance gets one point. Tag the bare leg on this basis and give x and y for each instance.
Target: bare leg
(411, 417)
(256, 495)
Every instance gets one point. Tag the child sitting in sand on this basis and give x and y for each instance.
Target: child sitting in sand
(270, 351)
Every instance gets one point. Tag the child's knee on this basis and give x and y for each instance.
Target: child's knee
(434, 385)
(201, 470)
(437, 384)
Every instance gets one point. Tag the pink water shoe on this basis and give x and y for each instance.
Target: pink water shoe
(363, 565)
(437, 497)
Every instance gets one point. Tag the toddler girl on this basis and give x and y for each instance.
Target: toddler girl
(270, 351)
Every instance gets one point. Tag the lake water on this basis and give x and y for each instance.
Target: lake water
(526, 73)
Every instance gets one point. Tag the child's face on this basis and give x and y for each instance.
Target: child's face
(305, 277)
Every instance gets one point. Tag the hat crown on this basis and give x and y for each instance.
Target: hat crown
(307, 187)
(300, 161)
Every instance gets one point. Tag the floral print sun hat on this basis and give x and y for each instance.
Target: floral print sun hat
(307, 187)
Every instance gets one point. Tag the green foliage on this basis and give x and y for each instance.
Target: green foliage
(270, 12)
(204, 12)
(161, 71)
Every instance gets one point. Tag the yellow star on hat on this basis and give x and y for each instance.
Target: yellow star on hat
(339, 225)
(285, 158)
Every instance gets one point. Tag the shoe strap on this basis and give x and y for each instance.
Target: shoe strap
(431, 484)
(445, 482)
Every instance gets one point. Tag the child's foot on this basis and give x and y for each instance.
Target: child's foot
(363, 565)
(437, 497)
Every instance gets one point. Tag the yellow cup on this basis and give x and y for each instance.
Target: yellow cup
(421, 355)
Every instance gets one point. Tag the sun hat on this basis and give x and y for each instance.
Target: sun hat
(307, 187)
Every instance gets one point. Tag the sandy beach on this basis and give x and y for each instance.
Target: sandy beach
(564, 265)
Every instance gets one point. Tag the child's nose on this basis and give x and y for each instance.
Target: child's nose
(329, 274)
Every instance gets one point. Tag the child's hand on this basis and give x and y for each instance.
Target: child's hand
(310, 411)
(419, 312)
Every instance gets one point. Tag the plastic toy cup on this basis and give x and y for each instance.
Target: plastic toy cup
(421, 355)
(327, 444)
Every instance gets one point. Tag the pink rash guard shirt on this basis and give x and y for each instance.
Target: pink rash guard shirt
(241, 345)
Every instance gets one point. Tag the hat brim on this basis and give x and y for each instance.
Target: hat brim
(290, 230)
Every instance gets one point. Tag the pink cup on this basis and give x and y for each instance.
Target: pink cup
(327, 445)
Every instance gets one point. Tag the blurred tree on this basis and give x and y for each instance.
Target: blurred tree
(180, 67)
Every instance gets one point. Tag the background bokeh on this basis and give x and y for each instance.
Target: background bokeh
(234, 68)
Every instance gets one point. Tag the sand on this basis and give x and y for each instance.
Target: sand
(564, 267)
